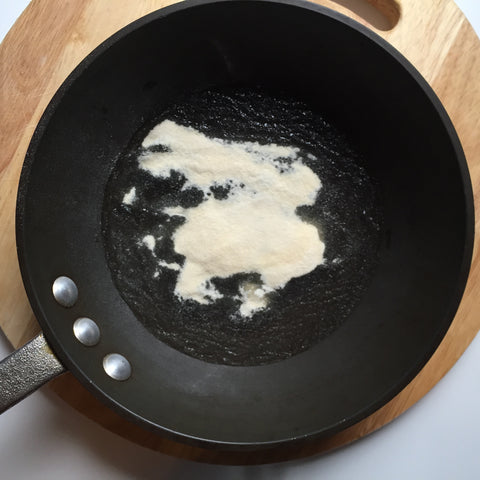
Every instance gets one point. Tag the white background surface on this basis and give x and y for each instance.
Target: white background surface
(438, 438)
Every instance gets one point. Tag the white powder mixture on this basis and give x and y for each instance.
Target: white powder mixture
(254, 229)
(149, 241)
(130, 196)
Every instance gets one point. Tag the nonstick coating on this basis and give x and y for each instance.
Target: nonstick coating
(366, 90)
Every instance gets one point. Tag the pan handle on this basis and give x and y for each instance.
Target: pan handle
(25, 370)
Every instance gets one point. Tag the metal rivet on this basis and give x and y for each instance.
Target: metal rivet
(86, 331)
(65, 291)
(117, 366)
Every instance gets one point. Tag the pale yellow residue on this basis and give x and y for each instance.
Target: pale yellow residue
(130, 196)
(149, 242)
(171, 266)
(254, 230)
(253, 298)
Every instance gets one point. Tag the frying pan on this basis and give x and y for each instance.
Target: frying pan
(370, 92)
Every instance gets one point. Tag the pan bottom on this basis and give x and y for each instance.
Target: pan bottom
(139, 238)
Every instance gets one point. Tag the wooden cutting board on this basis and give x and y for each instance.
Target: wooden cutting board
(52, 37)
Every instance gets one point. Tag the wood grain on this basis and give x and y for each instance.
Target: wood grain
(52, 37)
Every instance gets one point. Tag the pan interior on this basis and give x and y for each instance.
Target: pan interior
(346, 214)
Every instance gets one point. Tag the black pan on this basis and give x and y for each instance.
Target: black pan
(364, 88)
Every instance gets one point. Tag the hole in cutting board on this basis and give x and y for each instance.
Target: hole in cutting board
(380, 14)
